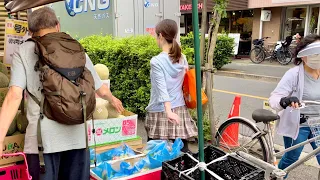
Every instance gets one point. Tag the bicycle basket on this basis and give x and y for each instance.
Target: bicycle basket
(314, 124)
(257, 42)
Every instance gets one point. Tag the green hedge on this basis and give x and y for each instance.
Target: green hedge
(128, 60)
(223, 51)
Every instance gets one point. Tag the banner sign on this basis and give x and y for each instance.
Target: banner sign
(16, 32)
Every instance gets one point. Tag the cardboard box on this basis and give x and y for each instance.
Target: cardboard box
(113, 130)
(134, 144)
(12, 144)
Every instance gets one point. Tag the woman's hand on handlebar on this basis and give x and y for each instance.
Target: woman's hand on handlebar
(290, 101)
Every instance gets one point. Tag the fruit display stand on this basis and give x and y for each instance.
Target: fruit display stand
(154, 174)
(113, 130)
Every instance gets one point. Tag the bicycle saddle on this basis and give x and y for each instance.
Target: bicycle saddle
(263, 115)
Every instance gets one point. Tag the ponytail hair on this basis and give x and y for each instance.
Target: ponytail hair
(169, 29)
(175, 52)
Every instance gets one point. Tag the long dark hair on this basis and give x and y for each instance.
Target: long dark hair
(304, 43)
(169, 30)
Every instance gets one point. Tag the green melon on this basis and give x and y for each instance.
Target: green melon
(113, 113)
(22, 122)
(13, 127)
(4, 69)
(101, 111)
(3, 93)
(102, 71)
(4, 80)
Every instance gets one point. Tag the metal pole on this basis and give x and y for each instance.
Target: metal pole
(195, 25)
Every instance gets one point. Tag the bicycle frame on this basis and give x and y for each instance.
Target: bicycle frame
(279, 174)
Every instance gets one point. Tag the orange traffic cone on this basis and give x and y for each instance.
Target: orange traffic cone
(231, 134)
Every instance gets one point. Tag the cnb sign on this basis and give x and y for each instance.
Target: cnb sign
(74, 7)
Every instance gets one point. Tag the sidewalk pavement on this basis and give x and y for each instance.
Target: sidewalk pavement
(246, 69)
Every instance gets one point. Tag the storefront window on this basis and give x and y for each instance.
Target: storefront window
(182, 25)
(313, 25)
(239, 22)
(295, 21)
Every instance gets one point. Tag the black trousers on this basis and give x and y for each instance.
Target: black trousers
(68, 165)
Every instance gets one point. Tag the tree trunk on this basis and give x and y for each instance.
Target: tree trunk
(209, 85)
(213, 42)
(203, 32)
(209, 105)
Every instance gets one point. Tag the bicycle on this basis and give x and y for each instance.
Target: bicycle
(266, 158)
(260, 53)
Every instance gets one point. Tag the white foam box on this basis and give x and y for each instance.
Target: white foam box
(154, 174)
(109, 131)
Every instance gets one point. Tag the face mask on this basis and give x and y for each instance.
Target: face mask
(313, 61)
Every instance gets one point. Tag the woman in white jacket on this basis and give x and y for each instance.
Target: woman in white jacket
(299, 83)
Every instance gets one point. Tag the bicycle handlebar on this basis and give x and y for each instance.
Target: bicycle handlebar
(304, 104)
(310, 102)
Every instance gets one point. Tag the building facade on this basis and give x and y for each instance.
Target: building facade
(239, 20)
(288, 17)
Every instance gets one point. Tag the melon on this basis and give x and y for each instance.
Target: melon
(22, 122)
(4, 69)
(3, 93)
(13, 127)
(4, 80)
(102, 71)
(113, 113)
(101, 111)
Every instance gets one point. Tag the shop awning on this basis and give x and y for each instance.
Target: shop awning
(20, 5)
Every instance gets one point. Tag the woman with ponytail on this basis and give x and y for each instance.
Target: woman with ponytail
(167, 115)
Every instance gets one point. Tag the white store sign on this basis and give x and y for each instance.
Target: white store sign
(265, 15)
(236, 37)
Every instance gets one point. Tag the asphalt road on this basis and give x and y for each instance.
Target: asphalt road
(265, 69)
(253, 94)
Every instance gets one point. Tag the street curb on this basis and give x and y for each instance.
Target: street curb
(248, 76)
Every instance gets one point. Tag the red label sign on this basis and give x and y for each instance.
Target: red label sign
(128, 127)
(188, 7)
(151, 30)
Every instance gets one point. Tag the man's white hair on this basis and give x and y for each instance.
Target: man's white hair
(42, 18)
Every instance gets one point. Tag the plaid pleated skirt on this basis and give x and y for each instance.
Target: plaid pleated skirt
(159, 127)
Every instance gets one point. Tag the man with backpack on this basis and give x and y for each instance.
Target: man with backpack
(60, 82)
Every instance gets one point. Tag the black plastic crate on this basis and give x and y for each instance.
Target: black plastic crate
(233, 168)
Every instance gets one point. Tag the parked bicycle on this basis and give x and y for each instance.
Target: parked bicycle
(282, 54)
(259, 144)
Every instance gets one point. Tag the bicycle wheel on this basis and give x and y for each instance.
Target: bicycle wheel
(257, 55)
(231, 137)
(284, 57)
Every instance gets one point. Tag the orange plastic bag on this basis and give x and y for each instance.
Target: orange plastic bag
(190, 90)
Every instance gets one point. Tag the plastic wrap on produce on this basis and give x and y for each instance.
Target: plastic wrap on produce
(156, 151)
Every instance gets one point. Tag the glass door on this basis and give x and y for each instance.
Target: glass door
(314, 22)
